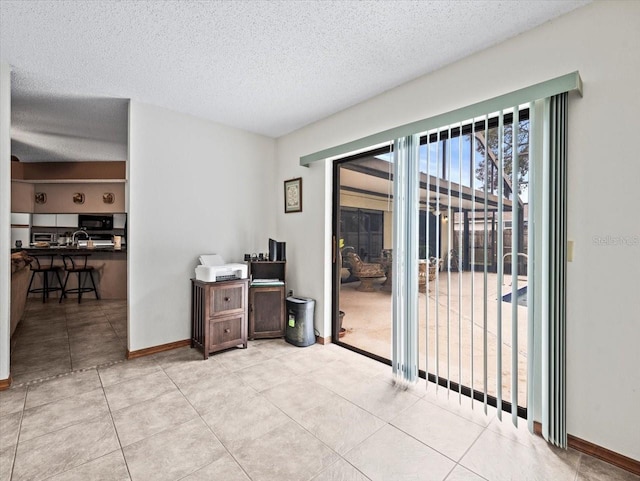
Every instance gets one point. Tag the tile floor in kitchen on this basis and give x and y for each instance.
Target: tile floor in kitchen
(270, 412)
(55, 338)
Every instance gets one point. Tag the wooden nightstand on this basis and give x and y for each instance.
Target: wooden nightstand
(218, 315)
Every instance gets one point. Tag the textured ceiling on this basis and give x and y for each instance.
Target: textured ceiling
(265, 66)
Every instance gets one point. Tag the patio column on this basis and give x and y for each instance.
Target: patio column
(466, 255)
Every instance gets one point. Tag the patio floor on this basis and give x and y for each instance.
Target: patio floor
(368, 326)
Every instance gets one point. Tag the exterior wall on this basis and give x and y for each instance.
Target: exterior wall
(365, 201)
(600, 41)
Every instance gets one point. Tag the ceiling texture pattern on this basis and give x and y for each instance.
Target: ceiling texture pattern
(268, 67)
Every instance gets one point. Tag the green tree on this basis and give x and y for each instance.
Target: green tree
(522, 146)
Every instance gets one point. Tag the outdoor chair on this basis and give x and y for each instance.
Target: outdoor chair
(365, 271)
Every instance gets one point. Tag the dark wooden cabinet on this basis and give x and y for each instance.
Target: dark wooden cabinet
(267, 300)
(218, 315)
(266, 312)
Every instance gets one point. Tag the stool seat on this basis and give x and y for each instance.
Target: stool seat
(77, 264)
(44, 265)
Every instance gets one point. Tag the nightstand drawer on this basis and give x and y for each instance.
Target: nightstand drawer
(225, 300)
(226, 331)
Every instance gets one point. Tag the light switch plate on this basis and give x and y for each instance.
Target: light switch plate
(570, 251)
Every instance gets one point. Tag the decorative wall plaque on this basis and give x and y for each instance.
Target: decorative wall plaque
(108, 198)
(78, 198)
(41, 198)
(293, 195)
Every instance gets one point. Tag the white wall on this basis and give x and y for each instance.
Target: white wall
(5, 214)
(601, 41)
(195, 187)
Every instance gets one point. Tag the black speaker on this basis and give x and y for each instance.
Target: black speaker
(277, 250)
(273, 250)
(282, 251)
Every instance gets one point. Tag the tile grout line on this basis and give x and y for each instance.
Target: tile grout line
(66, 323)
(33, 382)
(340, 456)
(113, 424)
(458, 463)
(260, 393)
(68, 373)
(85, 420)
(431, 447)
(68, 425)
(61, 312)
(437, 403)
(578, 467)
(15, 451)
(208, 427)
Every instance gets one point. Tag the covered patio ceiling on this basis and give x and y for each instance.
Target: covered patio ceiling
(374, 176)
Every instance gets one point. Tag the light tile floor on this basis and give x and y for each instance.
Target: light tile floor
(368, 324)
(270, 412)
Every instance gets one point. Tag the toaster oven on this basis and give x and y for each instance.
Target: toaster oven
(49, 237)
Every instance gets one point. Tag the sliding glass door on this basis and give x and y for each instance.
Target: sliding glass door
(471, 256)
(475, 314)
(363, 204)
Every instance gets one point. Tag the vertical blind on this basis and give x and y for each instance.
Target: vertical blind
(492, 192)
(466, 184)
(405, 268)
(554, 421)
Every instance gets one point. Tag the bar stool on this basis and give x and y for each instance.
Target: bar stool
(78, 266)
(45, 268)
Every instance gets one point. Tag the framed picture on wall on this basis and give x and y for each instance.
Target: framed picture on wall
(293, 195)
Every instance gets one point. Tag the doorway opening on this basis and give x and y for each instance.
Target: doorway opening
(68, 206)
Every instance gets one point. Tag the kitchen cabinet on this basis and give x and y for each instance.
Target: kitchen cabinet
(44, 220)
(20, 219)
(119, 220)
(20, 229)
(67, 220)
(55, 220)
(267, 299)
(218, 315)
(21, 234)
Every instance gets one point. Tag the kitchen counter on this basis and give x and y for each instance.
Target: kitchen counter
(110, 267)
(69, 250)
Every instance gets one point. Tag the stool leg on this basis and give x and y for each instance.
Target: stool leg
(30, 282)
(64, 287)
(45, 286)
(59, 283)
(80, 286)
(95, 289)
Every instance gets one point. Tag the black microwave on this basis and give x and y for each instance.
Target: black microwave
(95, 222)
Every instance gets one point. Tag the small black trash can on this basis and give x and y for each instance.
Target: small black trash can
(300, 331)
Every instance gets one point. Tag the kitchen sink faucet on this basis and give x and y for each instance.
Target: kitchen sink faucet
(74, 241)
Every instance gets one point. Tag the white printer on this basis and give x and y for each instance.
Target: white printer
(212, 268)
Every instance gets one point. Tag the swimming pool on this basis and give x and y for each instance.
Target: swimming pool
(521, 296)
